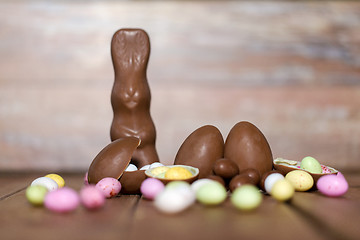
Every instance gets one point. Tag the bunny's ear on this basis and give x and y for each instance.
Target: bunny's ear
(130, 49)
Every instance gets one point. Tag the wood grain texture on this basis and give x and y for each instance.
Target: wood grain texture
(308, 215)
(291, 68)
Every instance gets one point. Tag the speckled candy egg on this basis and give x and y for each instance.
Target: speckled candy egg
(333, 185)
(248, 148)
(62, 200)
(201, 149)
(91, 197)
(151, 187)
(301, 180)
(110, 187)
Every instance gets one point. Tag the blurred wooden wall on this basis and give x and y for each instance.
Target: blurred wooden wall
(291, 68)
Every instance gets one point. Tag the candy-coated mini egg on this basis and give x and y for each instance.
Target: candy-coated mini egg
(172, 201)
(156, 164)
(146, 167)
(57, 178)
(151, 187)
(131, 168)
(301, 180)
(271, 180)
(282, 190)
(49, 183)
(91, 197)
(109, 186)
(246, 197)
(195, 186)
(333, 185)
(86, 181)
(212, 193)
(181, 187)
(159, 171)
(178, 173)
(311, 164)
(36, 194)
(62, 200)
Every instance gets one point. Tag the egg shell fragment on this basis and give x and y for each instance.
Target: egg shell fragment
(112, 160)
(248, 148)
(201, 149)
(301, 180)
(131, 181)
(62, 200)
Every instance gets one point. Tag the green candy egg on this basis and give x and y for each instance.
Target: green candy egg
(311, 164)
(246, 197)
(211, 193)
(36, 194)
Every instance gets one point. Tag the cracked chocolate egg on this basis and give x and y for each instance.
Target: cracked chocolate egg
(112, 160)
(248, 148)
(201, 149)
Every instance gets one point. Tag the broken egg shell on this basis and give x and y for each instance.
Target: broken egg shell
(131, 181)
(225, 168)
(112, 160)
(284, 168)
(194, 171)
(247, 146)
(201, 149)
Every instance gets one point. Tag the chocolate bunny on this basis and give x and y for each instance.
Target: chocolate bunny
(130, 97)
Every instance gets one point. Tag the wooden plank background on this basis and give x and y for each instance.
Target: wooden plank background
(291, 68)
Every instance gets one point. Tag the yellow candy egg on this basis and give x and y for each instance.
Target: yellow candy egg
(301, 180)
(57, 178)
(178, 173)
(282, 190)
(158, 171)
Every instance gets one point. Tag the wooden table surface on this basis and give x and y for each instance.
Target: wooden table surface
(308, 215)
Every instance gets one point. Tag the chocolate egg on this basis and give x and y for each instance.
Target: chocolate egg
(113, 159)
(131, 181)
(253, 175)
(201, 149)
(225, 168)
(239, 180)
(248, 148)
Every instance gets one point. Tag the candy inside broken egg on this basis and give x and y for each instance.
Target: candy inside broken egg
(285, 166)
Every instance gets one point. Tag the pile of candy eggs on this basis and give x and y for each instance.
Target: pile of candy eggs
(50, 191)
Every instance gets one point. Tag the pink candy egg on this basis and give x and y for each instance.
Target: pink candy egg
(151, 187)
(109, 186)
(62, 200)
(91, 197)
(333, 185)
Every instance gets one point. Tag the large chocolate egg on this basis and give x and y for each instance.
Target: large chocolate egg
(113, 159)
(201, 149)
(248, 148)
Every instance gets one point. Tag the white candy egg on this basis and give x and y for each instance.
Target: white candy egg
(49, 183)
(146, 167)
(171, 201)
(131, 168)
(195, 186)
(156, 164)
(271, 180)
